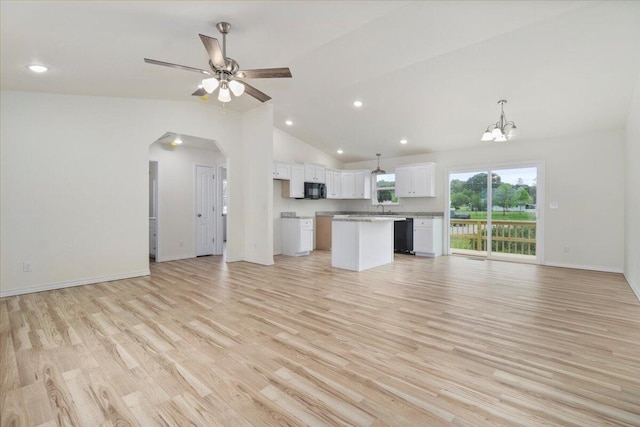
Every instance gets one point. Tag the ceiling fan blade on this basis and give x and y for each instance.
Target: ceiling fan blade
(214, 51)
(199, 92)
(264, 73)
(180, 67)
(260, 96)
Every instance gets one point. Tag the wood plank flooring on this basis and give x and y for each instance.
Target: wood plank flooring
(421, 342)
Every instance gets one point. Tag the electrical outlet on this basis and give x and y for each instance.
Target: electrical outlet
(565, 249)
(181, 244)
(27, 266)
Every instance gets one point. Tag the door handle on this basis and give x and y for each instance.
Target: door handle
(199, 215)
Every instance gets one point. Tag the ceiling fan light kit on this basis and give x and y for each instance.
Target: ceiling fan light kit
(210, 84)
(225, 72)
(236, 87)
(223, 94)
(502, 130)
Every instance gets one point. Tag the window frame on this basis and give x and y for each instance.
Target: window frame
(375, 188)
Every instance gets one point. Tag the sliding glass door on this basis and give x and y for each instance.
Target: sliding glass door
(493, 213)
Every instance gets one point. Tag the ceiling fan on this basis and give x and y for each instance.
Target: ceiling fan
(225, 72)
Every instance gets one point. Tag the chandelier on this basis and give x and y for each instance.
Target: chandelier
(502, 130)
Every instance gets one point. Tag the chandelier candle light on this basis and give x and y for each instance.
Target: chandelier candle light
(502, 130)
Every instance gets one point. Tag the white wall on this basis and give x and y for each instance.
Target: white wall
(176, 195)
(74, 183)
(287, 148)
(584, 174)
(257, 144)
(632, 194)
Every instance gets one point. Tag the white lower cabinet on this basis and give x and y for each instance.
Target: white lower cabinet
(297, 236)
(427, 236)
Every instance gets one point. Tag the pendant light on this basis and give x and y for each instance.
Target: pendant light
(378, 171)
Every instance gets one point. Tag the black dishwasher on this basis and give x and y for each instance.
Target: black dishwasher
(403, 236)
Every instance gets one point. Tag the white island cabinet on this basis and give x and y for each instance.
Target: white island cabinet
(361, 242)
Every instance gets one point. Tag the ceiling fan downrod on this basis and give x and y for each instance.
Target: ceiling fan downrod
(224, 28)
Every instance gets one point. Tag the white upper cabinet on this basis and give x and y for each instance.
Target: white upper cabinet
(334, 183)
(348, 184)
(314, 173)
(356, 184)
(416, 180)
(295, 186)
(363, 184)
(281, 170)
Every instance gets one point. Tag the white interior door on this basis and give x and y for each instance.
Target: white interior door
(205, 210)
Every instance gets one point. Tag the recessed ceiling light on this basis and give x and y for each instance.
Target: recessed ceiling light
(177, 141)
(288, 123)
(357, 104)
(38, 68)
(403, 141)
(340, 151)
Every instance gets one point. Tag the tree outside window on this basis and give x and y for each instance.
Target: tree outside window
(385, 189)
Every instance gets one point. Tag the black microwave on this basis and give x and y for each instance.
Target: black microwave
(315, 190)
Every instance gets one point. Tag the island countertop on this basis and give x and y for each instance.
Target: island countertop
(378, 213)
(359, 218)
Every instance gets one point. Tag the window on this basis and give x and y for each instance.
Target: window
(385, 189)
(224, 196)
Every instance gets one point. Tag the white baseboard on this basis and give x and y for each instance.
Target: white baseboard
(69, 284)
(260, 261)
(585, 267)
(252, 260)
(173, 258)
(635, 287)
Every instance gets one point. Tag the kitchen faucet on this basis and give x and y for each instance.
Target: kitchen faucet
(380, 204)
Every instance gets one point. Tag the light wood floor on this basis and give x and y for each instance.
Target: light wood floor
(421, 342)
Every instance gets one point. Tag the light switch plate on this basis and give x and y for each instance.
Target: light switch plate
(553, 205)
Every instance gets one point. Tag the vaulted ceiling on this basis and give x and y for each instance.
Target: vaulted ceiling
(427, 71)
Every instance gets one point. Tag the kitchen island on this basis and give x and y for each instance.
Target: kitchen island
(361, 242)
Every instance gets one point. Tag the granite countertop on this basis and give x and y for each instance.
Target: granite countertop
(367, 218)
(378, 213)
(293, 215)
